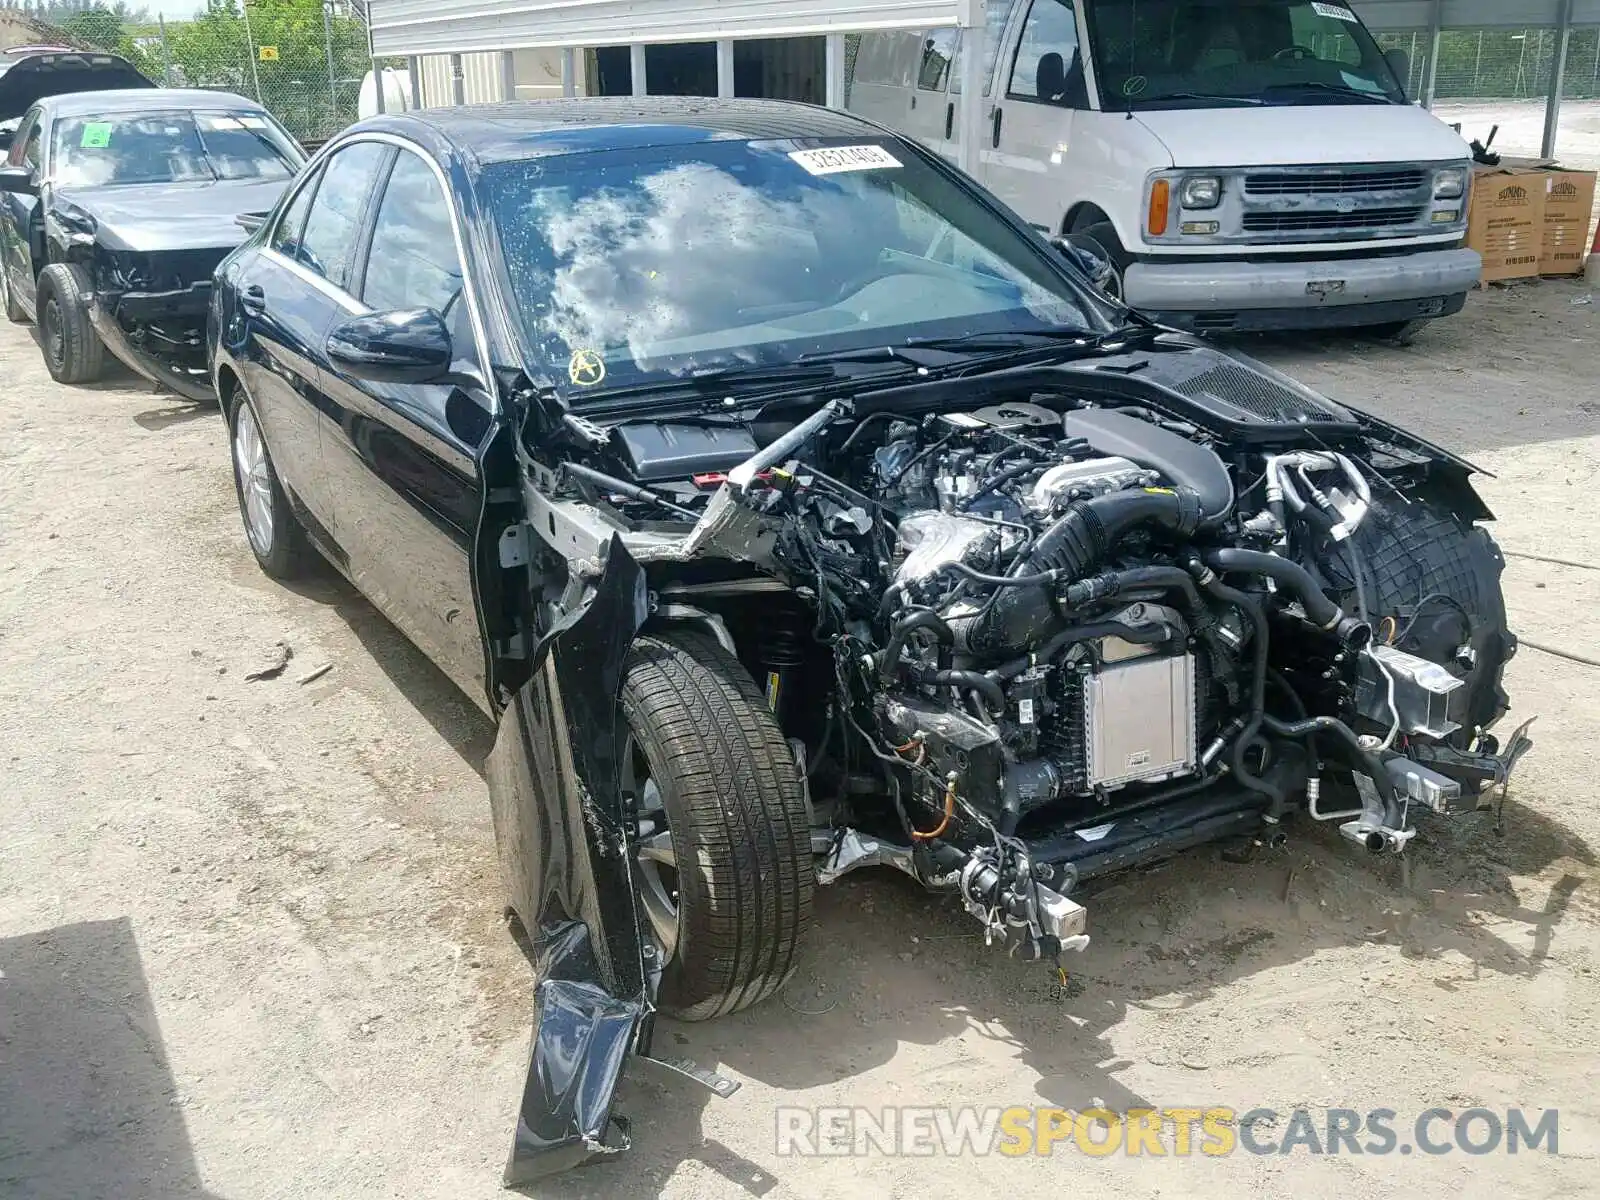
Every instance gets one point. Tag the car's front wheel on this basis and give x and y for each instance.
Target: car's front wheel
(73, 351)
(275, 535)
(723, 866)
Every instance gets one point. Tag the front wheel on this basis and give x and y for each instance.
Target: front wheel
(723, 866)
(73, 351)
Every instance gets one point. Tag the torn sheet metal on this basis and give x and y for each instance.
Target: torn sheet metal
(561, 830)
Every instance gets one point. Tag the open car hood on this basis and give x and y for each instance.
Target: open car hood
(25, 81)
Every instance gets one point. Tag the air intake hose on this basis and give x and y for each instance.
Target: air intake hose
(1076, 544)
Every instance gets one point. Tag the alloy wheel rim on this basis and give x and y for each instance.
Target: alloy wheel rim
(655, 864)
(255, 480)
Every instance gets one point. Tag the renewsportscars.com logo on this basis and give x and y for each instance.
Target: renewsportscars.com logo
(843, 1132)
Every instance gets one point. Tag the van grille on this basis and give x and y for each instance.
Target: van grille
(1295, 222)
(1337, 183)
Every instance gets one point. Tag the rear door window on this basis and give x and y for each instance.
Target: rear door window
(333, 224)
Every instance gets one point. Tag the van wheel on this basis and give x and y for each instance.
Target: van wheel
(723, 867)
(73, 351)
(1401, 333)
(1105, 234)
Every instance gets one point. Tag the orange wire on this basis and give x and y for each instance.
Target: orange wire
(949, 811)
(1394, 628)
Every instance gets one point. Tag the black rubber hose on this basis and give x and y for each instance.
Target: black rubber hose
(923, 618)
(1146, 635)
(1258, 684)
(1015, 471)
(1044, 580)
(1369, 762)
(1320, 610)
(1073, 546)
(972, 681)
(1115, 583)
(1082, 537)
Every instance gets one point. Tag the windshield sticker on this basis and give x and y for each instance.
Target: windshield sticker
(96, 135)
(1337, 12)
(830, 160)
(586, 368)
(1134, 84)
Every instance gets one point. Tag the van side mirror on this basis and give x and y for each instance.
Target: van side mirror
(19, 180)
(1400, 63)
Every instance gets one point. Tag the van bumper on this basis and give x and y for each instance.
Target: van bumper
(1319, 294)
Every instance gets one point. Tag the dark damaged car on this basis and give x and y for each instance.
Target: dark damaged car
(117, 207)
(795, 508)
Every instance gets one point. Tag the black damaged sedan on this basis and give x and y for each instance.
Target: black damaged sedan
(794, 508)
(115, 208)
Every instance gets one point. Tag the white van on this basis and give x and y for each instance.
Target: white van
(1245, 164)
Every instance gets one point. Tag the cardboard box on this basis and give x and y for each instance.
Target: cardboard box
(1568, 205)
(1505, 221)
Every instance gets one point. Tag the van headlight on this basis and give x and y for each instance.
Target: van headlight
(1449, 184)
(1201, 191)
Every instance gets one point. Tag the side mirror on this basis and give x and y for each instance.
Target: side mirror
(251, 221)
(1400, 63)
(19, 180)
(1091, 258)
(408, 345)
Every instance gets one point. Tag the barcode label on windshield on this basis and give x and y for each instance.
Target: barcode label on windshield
(1337, 12)
(830, 160)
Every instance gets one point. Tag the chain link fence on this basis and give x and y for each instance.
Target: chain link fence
(304, 60)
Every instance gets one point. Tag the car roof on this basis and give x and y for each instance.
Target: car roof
(127, 100)
(529, 128)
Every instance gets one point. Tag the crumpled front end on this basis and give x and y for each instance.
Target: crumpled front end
(562, 831)
(150, 310)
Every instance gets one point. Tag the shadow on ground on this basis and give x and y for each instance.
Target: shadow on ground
(87, 1100)
(426, 688)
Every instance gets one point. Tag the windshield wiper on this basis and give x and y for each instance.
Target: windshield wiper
(1253, 100)
(1019, 339)
(1331, 88)
(712, 382)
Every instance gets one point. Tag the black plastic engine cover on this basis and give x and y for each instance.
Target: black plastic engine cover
(1179, 460)
(659, 451)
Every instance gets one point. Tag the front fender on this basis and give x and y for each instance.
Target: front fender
(562, 834)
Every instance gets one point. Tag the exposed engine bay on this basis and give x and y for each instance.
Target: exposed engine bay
(1063, 626)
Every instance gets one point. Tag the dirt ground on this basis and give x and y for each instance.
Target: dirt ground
(250, 933)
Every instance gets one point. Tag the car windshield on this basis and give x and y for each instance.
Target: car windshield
(1152, 54)
(169, 147)
(633, 265)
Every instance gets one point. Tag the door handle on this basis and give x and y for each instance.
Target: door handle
(254, 300)
(949, 120)
(995, 139)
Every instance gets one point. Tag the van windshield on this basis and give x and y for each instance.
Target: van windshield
(1153, 54)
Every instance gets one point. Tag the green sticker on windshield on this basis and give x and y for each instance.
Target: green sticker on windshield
(96, 134)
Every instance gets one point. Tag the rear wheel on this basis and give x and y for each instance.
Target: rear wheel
(73, 351)
(723, 868)
(275, 535)
(14, 311)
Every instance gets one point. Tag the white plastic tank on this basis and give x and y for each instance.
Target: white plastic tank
(396, 93)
